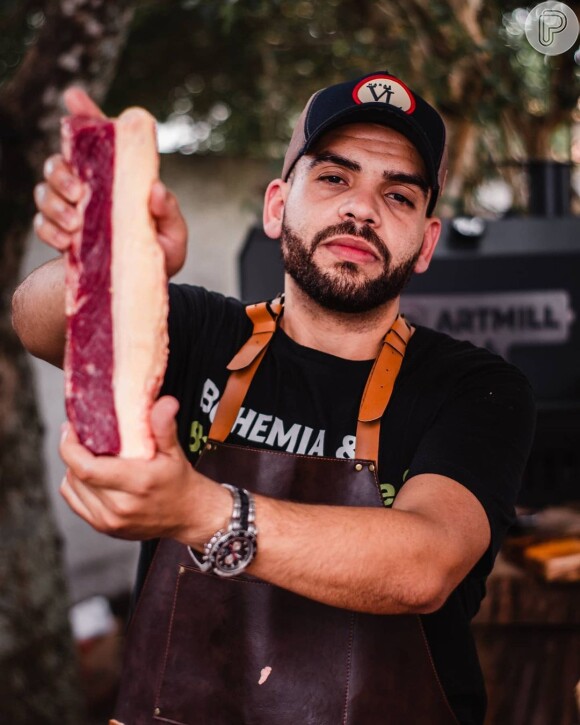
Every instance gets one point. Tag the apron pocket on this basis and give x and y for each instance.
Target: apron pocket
(242, 652)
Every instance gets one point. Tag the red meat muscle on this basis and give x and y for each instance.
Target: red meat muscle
(116, 290)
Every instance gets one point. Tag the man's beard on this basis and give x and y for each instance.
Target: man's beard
(345, 290)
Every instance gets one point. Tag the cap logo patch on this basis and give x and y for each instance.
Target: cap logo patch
(384, 89)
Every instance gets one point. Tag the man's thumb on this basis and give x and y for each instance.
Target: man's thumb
(163, 423)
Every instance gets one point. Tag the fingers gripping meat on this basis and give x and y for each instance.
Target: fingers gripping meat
(116, 288)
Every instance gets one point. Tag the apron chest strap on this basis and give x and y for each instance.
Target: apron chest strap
(378, 390)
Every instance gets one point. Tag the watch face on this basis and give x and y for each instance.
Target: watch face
(234, 552)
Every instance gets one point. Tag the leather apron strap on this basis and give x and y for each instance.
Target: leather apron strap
(376, 396)
(379, 389)
(244, 364)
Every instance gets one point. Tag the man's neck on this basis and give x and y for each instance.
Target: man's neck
(353, 336)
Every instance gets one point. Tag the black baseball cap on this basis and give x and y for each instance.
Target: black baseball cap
(374, 98)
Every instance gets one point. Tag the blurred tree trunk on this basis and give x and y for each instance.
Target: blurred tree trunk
(79, 42)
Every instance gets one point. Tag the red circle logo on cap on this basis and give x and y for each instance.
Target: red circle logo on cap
(384, 89)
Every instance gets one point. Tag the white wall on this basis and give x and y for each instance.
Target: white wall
(220, 198)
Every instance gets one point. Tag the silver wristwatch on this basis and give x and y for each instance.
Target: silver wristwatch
(230, 551)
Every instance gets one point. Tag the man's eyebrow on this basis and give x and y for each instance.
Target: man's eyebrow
(337, 159)
(401, 176)
(404, 178)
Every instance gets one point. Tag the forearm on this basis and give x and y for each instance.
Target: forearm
(375, 560)
(38, 312)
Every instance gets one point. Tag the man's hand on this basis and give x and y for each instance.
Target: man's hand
(139, 499)
(57, 199)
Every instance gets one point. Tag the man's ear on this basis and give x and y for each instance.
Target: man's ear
(274, 204)
(430, 239)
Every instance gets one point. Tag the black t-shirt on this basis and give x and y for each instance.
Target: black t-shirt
(456, 410)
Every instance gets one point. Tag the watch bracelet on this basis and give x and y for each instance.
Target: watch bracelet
(241, 519)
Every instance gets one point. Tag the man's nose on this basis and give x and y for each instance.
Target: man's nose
(361, 207)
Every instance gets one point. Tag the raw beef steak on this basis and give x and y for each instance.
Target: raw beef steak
(116, 288)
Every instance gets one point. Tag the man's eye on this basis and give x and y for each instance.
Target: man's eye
(332, 179)
(400, 199)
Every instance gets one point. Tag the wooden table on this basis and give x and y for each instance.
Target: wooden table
(528, 638)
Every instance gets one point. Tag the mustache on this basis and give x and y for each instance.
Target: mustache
(350, 228)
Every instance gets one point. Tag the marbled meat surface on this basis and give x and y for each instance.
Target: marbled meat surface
(89, 145)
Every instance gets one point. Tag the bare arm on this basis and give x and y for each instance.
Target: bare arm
(384, 561)
(38, 312)
(405, 559)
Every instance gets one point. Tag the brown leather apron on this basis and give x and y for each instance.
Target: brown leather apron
(202, 650)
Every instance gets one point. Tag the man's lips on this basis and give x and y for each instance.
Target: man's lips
(351, 249)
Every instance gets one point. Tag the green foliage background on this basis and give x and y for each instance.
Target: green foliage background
(244, 68)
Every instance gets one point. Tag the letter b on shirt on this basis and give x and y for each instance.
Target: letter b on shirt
(209, 396)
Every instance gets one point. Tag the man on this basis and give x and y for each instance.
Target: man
(346, 606)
